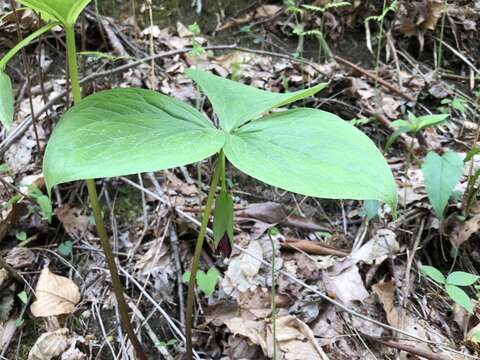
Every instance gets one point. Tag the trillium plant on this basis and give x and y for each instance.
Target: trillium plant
(130, 130)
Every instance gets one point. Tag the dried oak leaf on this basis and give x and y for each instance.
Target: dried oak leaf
(56, 295)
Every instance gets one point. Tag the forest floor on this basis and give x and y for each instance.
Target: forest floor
(349, 282)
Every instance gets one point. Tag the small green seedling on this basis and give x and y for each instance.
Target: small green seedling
(455, 103)
(441, 174)
(21, 235)
(163, 344)
(452, 284)
(205, 281)
(42, 201)
(414, 125)
(65, 248)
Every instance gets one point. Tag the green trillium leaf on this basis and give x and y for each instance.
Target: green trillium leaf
(433, 273)
(441, 174)
(223, 218)
(461, 278)
(65, 11)
(127, 131)
(314, 153)
(236, 103)
(6, 101)
(460, 297)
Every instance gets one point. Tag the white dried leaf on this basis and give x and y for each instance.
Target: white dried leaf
(382, 245)
(56, 295)
(347, 285)
(49, 345)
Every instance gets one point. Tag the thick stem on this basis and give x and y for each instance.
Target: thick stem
(196, 256)
(97, 214)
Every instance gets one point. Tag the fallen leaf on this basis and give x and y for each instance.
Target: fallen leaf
(55, 295)
(7, 330)
(20, 257)
(49, 345)
(242, 269)
(355, 291)
(74, 222)
(464, 230)
(377, 250)
(268, 212)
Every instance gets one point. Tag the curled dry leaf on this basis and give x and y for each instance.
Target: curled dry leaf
(55, 295)
(49, 345)
(242, 269)
(464, 230)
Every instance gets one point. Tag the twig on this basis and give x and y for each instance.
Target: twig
(379, 80)
(178, 265)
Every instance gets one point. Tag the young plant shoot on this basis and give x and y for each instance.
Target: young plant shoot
(130, 130)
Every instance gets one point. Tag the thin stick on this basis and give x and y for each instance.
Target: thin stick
(97, 213)
(196, 256)
(274, 300)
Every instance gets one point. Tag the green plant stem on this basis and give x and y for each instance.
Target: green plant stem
(9, 55)
(274, 300)
(198, 251)
(97, 214)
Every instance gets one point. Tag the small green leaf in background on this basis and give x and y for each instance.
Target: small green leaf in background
(441, 174)
(43, 202)
(23, 296)
(21, 235)
(460, 297)
(433, 273)
(423, 122)
(4, 168)
(6, 101)
(458, 104)
(207, 282)
(186, 277)
(370, 208)
(471, 153)
(461, 278)
(223, 218)
(65, 248)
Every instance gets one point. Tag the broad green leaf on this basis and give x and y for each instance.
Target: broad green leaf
(65, 11)
(223, 218)
(236, 103)
(314, 153)
(441, 174)
(423, 122)
(127, 131)
(65, 248)
(460, 297)
(433, 273)
(207, 282)
(6, 101)
(461, 278)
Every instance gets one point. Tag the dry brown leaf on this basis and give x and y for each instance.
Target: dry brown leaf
(385, 291)
(74, 222)
(355, 291)
(178, 185)
(20, 257)
(464, 230)
(49, 345)
(294, 338)
(55, 295)
(267, 10)
(377, 250)
(7, 330)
